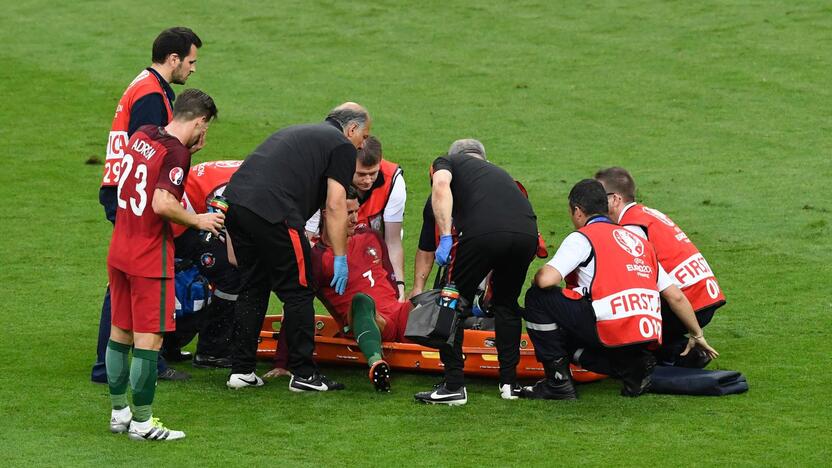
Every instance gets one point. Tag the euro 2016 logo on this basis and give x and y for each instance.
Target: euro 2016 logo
(176, 175)
(629, 242)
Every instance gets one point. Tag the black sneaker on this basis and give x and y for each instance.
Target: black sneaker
(380, 376)
(173, 375)
(637, 376)
(205, 361)
(550, 389)
(442, 396)
(316, 383)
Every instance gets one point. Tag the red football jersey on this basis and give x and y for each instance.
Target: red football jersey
(205, 181)
(142, 243)
(370, 273)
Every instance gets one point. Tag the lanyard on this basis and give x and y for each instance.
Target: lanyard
(599, 219)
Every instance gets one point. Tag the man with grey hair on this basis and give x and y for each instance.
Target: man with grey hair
(277, 188)
(468, 146)
(497, 231)
(423, 263)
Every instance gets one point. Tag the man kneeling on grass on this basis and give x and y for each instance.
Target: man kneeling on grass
(609, 314)
(369, 309)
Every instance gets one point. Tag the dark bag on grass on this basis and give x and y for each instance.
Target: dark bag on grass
(430, 324)
(685, 381)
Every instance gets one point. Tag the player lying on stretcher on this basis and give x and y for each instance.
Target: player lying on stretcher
(369, 309)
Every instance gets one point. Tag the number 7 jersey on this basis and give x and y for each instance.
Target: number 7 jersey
(142, 243)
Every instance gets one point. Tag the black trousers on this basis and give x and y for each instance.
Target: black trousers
(215, 323)
(271, 257)
(560, 327)
(674, 333)
(508, 254)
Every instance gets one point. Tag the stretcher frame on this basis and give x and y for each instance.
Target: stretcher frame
(478, 346)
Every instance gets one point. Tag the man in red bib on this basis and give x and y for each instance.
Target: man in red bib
(676, 254)
(148, 100)
(610, 308)
(140, 261)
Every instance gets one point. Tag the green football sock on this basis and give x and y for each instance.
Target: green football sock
(364, 328)
(143, 375)
(118, 372)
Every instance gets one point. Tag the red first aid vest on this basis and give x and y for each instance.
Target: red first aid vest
(371, 211)
(624, 291)
(145, 83)
(678, 256)
(205, 181)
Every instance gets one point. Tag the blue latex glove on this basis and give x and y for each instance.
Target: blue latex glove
(339, 277)
(443, 251)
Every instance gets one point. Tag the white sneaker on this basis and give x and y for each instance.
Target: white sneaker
(238, 381)
(510, 392)
(120, 420)
(154, 430)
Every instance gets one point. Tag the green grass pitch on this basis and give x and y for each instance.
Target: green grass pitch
(720, 109)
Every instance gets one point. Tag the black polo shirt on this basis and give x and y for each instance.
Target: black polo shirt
(284, 179)
(427, 237)
(486, 198)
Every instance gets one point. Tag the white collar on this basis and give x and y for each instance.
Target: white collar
(626, 207)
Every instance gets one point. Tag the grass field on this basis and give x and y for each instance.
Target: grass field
(720, 109)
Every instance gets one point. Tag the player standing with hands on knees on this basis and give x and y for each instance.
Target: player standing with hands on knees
(296, 171)
(140, 262)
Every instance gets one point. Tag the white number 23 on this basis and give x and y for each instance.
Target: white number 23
(140, 175)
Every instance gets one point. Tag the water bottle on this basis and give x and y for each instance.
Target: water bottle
(217, 204)
(446, 320)
(449, 296)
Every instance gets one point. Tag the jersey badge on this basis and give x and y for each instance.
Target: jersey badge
(207, 260)
(176, 175)
(373, 253)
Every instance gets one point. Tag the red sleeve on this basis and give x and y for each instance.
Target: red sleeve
(318, 267)
(175, 168)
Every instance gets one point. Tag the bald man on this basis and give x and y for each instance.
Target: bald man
(296, 171)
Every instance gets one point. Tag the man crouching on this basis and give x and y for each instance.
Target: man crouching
(609, 313)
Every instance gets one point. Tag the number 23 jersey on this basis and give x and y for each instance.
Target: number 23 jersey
(142, 243)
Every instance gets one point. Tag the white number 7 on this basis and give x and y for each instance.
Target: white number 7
(369, 275)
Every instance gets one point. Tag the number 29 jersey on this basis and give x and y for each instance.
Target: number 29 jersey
(142, 243)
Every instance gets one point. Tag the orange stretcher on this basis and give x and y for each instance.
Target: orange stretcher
(478, 346)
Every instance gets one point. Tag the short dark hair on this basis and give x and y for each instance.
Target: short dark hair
(352, 193)
(174, 41)
(589, 195)
(193, 104)
(371, 154)
(618, 180)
